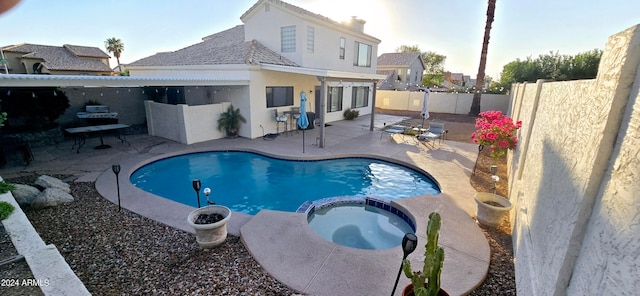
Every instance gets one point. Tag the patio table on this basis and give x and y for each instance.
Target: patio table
(81, 133)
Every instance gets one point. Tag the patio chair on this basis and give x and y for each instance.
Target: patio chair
(295, 115)
(392, 130)
(435, 132)
(280, 119)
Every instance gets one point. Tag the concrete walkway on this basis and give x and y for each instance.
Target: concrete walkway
(282, 242)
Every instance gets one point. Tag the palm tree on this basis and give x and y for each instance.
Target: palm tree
(115, 46)
(475, 104)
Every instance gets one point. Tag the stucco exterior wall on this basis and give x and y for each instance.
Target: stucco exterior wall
(183, 123)
(264, 25)
(439, 102)
(576, 211)
(127, 101)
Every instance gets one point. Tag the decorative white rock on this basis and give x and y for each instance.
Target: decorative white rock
(25, 194)
(51, 197)
(51, 182)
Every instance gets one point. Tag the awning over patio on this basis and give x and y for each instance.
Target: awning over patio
(325, 76)
(30, 80)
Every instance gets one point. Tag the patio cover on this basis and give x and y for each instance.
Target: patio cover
(325, 75)
(30, 80)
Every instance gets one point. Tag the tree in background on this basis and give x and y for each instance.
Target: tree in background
(115, 46)
(475, 104)
(433, 62)
(551, 66)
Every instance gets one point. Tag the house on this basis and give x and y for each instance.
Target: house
(264, 64)
(28, 58)
(403, 71)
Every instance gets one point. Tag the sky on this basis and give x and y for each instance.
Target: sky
(453, 28)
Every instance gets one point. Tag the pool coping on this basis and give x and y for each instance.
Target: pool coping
(466, 262)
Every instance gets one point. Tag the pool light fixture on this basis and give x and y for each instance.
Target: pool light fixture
(207, 191)
(409, 243)
(196, 186)
(116, 170)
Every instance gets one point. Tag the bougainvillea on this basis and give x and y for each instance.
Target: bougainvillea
(496, 131)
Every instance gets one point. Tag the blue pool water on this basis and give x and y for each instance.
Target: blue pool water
(359, 226)
(248, 182)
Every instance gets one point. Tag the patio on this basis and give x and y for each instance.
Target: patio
(316, 260)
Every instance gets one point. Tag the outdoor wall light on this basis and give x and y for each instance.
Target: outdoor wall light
(493, 169)
(116, 170)
(196, 186)
(207, 191)
(409, 244)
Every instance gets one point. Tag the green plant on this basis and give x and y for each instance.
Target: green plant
(230, 121)
(426, 282)
(3, 117)
(6, 187)
(350, 114)
(5, 210)
(32, 108)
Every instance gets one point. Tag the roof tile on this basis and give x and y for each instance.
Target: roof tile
(226, 47)
(66, 58)
(397, 58)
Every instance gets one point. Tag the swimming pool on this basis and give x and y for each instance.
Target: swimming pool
(248, 182)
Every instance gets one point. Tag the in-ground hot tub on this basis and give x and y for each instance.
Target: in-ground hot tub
(360, 223)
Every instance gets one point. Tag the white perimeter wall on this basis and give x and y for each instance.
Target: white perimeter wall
(183, 123)
(575, 179)
(439, 102)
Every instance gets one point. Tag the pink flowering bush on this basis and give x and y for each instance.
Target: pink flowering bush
(496, 131)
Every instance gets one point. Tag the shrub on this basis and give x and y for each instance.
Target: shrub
(6, 187)
(351, 114)
(32, 108)
(5, 210)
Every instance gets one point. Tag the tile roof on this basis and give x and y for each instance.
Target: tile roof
(397, 59)
(66, 58)
(226, 47)
(86, 51)
(291, 7)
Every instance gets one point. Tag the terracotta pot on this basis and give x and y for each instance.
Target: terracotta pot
(490, 215)
(212, 234)
(408, 291)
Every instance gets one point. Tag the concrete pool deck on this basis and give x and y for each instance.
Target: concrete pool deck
(282, 242)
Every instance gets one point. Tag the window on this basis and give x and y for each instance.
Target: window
(288, 39)
(360, 97)
(342, 44)
(334, 99)
(362, 55)
(279, 96)
(310, 39)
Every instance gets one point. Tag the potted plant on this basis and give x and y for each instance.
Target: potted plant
(210, 223)
(426, 282)
(350, 114)
(230, 121)
(495, 131)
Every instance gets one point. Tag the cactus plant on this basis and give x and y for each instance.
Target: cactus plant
(427, 281)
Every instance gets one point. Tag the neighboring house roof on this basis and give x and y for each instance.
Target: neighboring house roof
(385, 72)
(226, 47)
(66, 58)
(397, 59)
